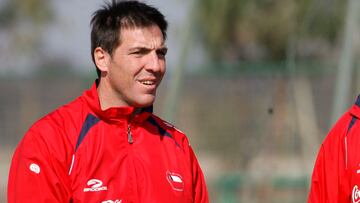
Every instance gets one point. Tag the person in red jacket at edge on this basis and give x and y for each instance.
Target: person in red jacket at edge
(107, 146)
(336, 175)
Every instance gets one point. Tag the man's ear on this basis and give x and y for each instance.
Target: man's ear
(102, 59)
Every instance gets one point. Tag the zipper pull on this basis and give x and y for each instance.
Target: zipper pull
(130, 138)
(133, 114)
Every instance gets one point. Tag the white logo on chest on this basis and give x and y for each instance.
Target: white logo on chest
(175, 180)
(95, 185)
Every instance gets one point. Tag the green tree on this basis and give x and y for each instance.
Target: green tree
(260, 29)
(22, 24)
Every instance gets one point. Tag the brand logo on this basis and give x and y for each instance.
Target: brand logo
(111, 201)
(175, 181)
(355, 194)
(35, 168)
(95, 185)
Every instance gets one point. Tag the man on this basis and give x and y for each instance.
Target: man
(336, 175)
(107, 146)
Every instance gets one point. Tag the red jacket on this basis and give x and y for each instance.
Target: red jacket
(80, 153)
(336, 175)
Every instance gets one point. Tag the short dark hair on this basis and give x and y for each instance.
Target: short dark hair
(107, 22)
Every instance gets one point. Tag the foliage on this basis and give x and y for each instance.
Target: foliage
(261, 29)
(23, 23)
(35, 11)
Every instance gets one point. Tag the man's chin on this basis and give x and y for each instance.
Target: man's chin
(145, 101)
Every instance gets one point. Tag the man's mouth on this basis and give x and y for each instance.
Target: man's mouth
(148, 82)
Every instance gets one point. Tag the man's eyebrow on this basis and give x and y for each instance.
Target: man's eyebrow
(163, 48)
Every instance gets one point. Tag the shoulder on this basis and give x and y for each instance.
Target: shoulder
(58, 127)
(339, 130)
(61, 116)
(155, 120)
(168, 129)
(166, 124)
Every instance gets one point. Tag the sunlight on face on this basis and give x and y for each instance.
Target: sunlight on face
(137, 67)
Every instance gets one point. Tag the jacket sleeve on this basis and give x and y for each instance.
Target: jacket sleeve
(317, 192)
(35, 173)
(199, 187)
(329, 181)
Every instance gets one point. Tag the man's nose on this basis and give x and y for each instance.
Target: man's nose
(153, 63)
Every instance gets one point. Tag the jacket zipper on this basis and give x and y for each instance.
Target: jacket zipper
(129, 134)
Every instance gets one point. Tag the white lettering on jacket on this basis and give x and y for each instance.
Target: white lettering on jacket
(95, 185)
(111, 201)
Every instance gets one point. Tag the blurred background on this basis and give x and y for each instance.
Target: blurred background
(255, 84)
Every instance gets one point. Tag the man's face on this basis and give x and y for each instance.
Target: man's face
(137, 66)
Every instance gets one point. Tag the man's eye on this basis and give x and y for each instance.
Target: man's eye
(140, 52)
(136, 52)
(162, 53)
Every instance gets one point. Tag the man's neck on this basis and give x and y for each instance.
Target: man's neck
(107, 96)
